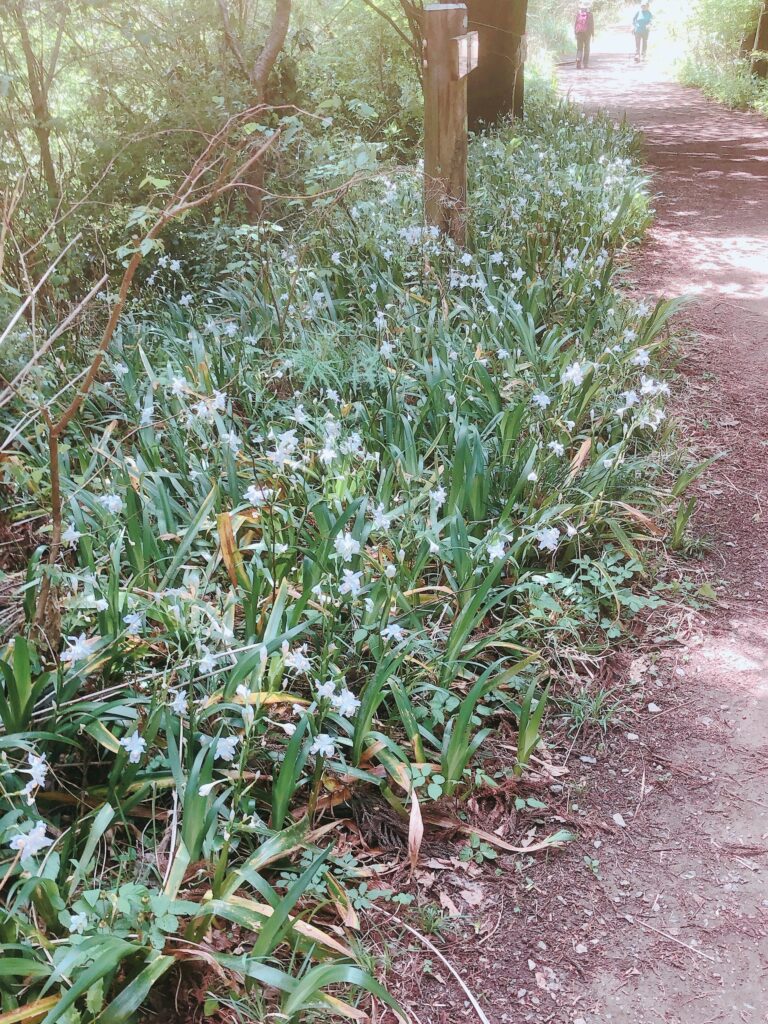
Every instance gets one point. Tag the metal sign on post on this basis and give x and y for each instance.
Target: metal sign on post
(467, 53)
(450, 54)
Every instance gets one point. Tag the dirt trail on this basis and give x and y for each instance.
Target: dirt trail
(689, 939)
(659, 913)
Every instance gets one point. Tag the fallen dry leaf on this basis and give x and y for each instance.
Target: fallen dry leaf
(579, 459)
(642, 518)
(474, 896)
(447, 904)
(415, 831)
(435, 864)
(443, 821)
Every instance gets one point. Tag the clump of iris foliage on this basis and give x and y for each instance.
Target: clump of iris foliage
(328, 517)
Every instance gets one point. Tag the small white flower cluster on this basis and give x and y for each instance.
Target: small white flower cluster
(29, 844)
(346, 532)
(342, 700)
(38, 773)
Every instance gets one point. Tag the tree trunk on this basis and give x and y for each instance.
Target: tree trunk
(262, 68)
(258, 79)
(259, 76)
(41, 124)
(748, 43)
(496, 88)
(760, 62)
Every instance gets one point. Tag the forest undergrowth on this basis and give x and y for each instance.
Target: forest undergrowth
(725, 52)
(342, 499)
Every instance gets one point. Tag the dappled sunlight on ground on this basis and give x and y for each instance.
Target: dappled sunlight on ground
(705, 960)
(703, 151)
(745, 649)
(694, 948)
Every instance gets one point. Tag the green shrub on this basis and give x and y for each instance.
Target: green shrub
(731, 83)
(714, 63)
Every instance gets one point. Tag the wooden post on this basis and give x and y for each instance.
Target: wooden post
(449, 56)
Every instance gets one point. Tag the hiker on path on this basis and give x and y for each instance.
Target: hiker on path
(584, 29)
(641, 25)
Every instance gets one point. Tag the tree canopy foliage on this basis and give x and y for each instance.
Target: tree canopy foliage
(101, 100)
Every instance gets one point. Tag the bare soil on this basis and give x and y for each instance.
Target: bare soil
(698, 848)
(659, 915)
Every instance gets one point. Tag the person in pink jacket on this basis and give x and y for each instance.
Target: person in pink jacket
(584, 29)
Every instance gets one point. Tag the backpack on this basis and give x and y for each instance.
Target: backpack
(582, 21)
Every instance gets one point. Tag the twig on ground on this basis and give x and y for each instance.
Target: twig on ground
(666, 935)
(642, 796)
(433, 949)
(498, 922)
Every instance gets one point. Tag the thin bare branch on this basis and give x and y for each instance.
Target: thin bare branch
(31, 296)
(54, 59)
(181, 202)
(63, 327)
(410, 41)
(11, 199)
(233, 43)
